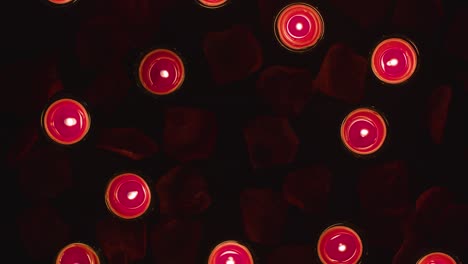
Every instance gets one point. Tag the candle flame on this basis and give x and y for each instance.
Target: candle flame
(364, 132)
(164, 73)
(392, 62)
(70, 121)
(342, 247)
(230, 261)
(132, 195)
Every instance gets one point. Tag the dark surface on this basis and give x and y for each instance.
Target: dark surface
(36, 30)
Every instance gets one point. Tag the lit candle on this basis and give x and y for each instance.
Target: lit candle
(339, 244)
(66, 121)
(394, 60)
(161, 72)
(437, 258)
(299, 27)
(363, 131)
(212, 3)
(230, 252)
(128, 196)
(61, 2)
(77, 253)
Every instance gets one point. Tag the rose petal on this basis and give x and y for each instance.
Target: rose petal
(438, 112)
(308, 188)
(263, 214)
(183, 191)
(232, 54)
(287, 90)
(189, 133)
(128, 142)
(270, 141)
(342, 74)
(22, 144)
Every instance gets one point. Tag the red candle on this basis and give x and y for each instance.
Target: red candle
(161, 72)
(61, 2)
(363, 131)
(77, 253)
(299, 27)
(230, 252)
(212, 3)
(394, 60)
(437, 258)
(128, 196)
(66, 121)
(339, 244)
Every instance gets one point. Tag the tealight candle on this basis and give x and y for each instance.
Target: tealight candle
(299, 26)
(161, 72)
(212, 3)
(128, 196)
(339, 244)
(230, 252)
(77, 253)
(66, 121)
(394, 60)
(363, 131)
(437, 258)
(61, 2)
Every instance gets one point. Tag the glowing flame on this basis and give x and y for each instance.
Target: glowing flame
(230, 261)
(70, 121)
(299, 26)
(341, 247)
(364, 132)
(164, 73)
(132, 195)
(392, 62)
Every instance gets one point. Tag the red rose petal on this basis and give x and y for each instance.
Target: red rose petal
(438, 112)
(23, 143)
(42, 231)
(45, 173)
(128, 142)
(308, 188)
(418, 15)
(108, 90)
(232, 54)
(189, 133)
(367, 13)
(287, 90)
(183, 191)
(29, 85)
(384, 186)
(101, 42)
(297, 254)
(176, 240)
(270, 141)
(342, 74)
(263, 214)
(122, 241)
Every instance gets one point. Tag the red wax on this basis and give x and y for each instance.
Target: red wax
(66, 121)
(212, 3)
(128, 196)
(77, 253)
(61, 2)
(299, 27)
(394, 60)
(230, 252)
(363, 131)
(437, 258)
(339, 244)
(161, 72)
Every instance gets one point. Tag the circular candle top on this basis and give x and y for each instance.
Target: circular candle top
(61, 2)
(66, 121)
(299, 26)
(339, 244)
(161, 72)
(394, 60)
(363, 131)
(128, 196)
(77, 253)
(212, 3)
(230, 252)
(437, 258)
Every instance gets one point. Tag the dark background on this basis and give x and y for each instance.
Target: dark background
(33, 31)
